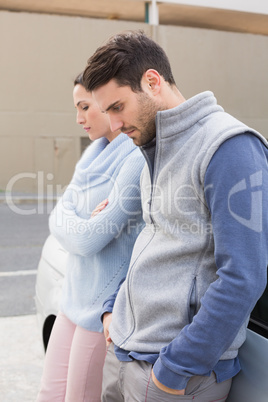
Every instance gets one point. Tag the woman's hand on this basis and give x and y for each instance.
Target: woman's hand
(107, 319)
(99, 208)
(166, 389)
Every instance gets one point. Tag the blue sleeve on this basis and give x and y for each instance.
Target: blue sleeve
(236, 184)
(123, 207)
(108, 304)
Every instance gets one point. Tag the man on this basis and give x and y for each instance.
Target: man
(199, 265)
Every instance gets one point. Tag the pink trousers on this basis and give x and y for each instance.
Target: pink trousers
(73, 364)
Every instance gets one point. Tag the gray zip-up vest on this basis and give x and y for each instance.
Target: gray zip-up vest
(173, 263)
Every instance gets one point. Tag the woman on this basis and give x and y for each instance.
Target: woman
(97, 221)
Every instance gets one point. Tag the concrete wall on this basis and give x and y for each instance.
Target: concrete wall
(42, 54)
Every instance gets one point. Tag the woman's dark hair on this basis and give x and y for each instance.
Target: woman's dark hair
(125, 58)
(79, 80)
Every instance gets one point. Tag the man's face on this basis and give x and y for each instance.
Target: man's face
(132, 113)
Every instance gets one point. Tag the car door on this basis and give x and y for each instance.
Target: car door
(251, 384)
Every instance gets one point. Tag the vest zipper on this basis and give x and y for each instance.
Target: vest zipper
(152, 177)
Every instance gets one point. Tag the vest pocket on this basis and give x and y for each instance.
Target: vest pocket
(192, 301)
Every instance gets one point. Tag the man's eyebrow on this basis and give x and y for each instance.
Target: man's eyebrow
(111, 106)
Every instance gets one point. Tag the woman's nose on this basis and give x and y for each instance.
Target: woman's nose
(80, 118)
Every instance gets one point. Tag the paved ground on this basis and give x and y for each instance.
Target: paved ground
(22, 236)
(21, 240)
(21, 357)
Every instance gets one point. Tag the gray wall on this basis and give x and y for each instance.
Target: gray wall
(42, 54)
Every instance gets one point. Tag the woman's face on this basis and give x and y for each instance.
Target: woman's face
(94, 122)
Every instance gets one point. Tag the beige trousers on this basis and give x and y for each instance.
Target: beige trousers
(131, 382)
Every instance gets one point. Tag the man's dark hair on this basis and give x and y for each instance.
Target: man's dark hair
(125, 58)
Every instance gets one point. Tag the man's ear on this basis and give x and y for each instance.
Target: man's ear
(151, 82)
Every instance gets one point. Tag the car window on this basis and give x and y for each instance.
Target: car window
(250, 384)
(259, 316)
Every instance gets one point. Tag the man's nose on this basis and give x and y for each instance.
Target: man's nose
(115, 123)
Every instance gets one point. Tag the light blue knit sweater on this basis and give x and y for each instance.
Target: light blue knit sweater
(100, 247)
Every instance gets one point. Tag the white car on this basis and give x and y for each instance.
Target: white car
(250, 385)
(50, 274)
